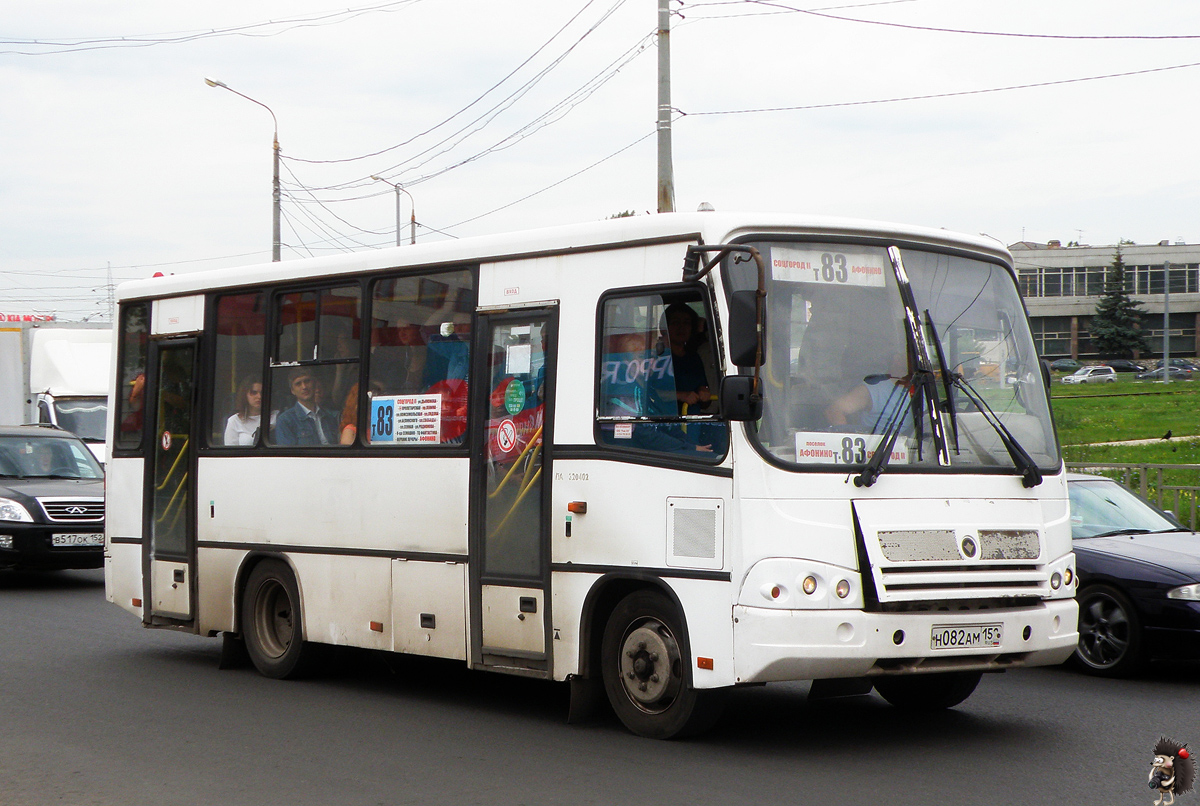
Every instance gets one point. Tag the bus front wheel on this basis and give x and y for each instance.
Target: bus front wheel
(271, 623)
(646, 675)
(928, 692)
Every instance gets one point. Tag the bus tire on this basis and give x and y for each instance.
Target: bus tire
(928, 692)
(646, 676)
(271, 621)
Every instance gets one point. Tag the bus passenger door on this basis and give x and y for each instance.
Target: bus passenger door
(169, 540)
(510, 490)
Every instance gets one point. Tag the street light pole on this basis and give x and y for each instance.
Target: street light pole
(412, 222)
(1166, 362)
(275, 245)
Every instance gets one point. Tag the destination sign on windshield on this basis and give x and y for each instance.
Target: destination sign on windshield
(852, 266)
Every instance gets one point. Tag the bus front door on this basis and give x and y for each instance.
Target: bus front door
(169, 531)
(511, 476)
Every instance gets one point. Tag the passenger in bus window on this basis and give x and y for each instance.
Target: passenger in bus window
(874, 402)
(306, 423)
(242, 426)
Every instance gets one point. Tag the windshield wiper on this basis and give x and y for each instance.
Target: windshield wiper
(947, 381)
(1030, 475)
(1130, 530)
(883, 451)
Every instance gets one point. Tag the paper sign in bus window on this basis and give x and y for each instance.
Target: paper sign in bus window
(822, 448)
(406, 419)
(850, 266)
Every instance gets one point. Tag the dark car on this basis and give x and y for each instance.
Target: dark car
(1182, 363)
(1065, 365)
(1125, 365)
(1138, 576)
(51, 500)
(1173, 372)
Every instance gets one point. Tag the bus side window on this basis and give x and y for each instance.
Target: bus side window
(420, 355)
(657, 361)
(131, 380)
(315, 378)
(237, 382)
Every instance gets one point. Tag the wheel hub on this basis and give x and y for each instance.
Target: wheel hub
(649, 662)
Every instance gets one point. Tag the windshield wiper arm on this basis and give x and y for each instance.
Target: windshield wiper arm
(883, 451)
(1131, 530)
(947, 381)
(1030, 475)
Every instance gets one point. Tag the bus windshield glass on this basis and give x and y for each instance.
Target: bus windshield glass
(841, 365)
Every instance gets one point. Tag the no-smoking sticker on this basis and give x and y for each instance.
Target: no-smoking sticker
(166, 440)
(506, 435)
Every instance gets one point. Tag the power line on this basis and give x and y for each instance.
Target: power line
(485, 93)
(256, 30)
(816, 13)
(943, 94)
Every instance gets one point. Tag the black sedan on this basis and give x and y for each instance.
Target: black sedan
(51, 500)
(1139, 579)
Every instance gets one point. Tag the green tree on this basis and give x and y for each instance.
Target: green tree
(1116, 326)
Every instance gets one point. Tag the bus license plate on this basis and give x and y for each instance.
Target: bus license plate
(965, 636)
(70, 540)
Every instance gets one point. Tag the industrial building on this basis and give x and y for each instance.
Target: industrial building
(1062, 285)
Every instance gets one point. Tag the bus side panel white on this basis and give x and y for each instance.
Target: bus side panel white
(123, 491)
(429, 609)
(626, 518)
(216, 573)
(390, 504)
(345, 600)
(568, 591)
(123, 576)
(1056, 533)
(708, 613)
(177, 315)
(122, 519)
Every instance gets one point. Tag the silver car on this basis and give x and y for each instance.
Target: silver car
(1092, 375)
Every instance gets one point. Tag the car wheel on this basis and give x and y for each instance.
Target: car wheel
(272, 623)
(646, 675)
(1110, 633)
(928, 692)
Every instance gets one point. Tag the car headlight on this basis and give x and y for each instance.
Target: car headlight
(1189, 593)
(10, 510)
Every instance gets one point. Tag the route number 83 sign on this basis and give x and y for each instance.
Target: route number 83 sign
(861, 267)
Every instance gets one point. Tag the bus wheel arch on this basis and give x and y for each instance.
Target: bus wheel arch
(270, 618)
(645, 666)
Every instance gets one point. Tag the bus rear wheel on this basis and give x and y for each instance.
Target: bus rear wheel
(928, 692)
(271, 622)
(646, 675)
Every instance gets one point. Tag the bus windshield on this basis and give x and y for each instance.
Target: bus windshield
(840, 359)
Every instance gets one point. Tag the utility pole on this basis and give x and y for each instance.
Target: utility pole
(666, 178)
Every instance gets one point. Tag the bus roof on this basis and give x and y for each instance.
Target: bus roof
(712, 227)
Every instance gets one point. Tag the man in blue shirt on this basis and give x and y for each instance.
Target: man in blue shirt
(305, 423)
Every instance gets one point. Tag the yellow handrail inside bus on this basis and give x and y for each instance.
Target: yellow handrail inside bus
(534, 439)
(516, 503)
(182, 453)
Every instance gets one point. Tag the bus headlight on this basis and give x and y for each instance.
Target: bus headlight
(1189, 593)
(1056, 580)
(809, 585)
(843, 588)
(10, 510)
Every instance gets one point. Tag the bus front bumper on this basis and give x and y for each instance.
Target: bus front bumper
(773, 645)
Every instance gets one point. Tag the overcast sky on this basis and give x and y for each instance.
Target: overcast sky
(114, 152)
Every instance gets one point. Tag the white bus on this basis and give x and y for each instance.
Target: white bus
(660, 457)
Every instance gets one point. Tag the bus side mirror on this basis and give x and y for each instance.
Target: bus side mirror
(743, 328)
(739, 402)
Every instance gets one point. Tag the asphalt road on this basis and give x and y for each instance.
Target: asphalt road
(96, 710)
